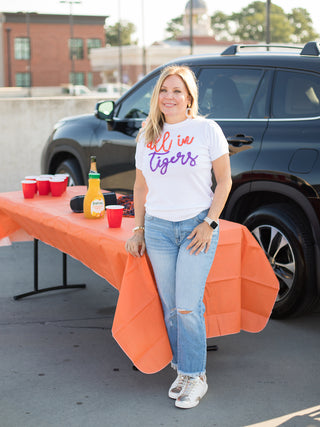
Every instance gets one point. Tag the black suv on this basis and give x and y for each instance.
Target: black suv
(268, 105)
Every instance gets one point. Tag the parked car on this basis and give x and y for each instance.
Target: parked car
(112, 90)
(268, 105)
(76, 90)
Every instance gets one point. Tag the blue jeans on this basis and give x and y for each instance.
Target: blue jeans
(181, 279)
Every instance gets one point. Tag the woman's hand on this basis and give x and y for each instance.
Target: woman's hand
(201, 238)
(136, 245)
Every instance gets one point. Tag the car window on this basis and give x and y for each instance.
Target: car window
(137, 104)
(260, 108)
(227, 93)
(296, 95)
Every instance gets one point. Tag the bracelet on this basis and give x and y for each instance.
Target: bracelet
(139, 227)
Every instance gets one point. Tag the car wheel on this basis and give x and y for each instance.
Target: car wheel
(71, 167)
(286, 241)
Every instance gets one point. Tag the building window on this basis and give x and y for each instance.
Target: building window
(89, 79)
(76, 78)
(22, 48)
(23, 79)
(76, 48)
(93, 43)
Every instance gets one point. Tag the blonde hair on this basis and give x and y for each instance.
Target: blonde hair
(154, 124)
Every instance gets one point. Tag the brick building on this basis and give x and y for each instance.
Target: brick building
(48, 50)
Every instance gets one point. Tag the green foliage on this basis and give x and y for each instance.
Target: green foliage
(220, 23)
(175, 27)
(250, 24)
(302, 22)
(124, 32)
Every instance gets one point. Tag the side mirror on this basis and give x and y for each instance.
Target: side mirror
(104, 110)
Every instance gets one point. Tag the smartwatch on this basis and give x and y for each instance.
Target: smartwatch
(210, 222)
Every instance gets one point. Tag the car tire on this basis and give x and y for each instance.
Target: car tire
(287, 242)
(71, 166)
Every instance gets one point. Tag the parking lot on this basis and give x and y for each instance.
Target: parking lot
(60, 365)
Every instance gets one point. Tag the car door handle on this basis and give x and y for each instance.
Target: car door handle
(240, 139)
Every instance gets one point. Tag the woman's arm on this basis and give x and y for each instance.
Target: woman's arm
(136, 244)
(201, 235)
(222, 173)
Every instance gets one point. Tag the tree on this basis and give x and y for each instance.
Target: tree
(175, 27)
(123, 31)
(221, 25)
(249, 24)
(303, 30)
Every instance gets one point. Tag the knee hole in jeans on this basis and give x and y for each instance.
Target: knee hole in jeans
(184, 311)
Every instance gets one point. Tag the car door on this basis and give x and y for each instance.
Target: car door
(117, 143)
(236, 98)
(293, 131)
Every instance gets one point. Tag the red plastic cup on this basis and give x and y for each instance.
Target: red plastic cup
(31, 178)
(57, 186)
(43, 185)
(29, 188)
(65, 176)
(114, 215)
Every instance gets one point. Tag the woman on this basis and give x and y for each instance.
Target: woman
(177, 218)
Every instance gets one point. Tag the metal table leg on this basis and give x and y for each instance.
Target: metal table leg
(36, 289)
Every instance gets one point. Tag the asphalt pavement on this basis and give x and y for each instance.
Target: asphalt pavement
(60, 366)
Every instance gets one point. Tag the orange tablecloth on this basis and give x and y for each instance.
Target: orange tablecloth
(240, 290)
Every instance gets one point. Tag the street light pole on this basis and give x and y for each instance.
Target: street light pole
(29, 57)
(71, 3)
(268, 6)
(8, 30)
(144, 62)
(120, 45)
(191, 27)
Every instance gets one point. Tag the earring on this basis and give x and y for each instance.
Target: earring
(188, 112)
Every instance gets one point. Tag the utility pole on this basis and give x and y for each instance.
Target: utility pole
(144, 62)
(120, 44)
(191, 26)
(268, 38)
(29, 57)
(71, 47)
(9, 56)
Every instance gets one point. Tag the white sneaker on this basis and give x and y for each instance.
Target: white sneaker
(194, 390)
(177, 386)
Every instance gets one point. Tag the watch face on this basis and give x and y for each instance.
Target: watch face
(213, 225)
(210, 222)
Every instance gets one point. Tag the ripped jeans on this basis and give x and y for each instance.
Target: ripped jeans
(181, 279)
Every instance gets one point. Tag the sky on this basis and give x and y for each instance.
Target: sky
(152, 22)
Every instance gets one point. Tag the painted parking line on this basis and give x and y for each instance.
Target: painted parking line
(301, 417)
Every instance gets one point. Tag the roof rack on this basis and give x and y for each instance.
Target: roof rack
(310, 48)
(233, 49)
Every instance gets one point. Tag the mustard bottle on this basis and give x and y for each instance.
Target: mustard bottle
(93, 203)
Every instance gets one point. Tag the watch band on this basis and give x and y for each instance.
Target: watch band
(211, 222)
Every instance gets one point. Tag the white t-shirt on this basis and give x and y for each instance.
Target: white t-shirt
(178, 170)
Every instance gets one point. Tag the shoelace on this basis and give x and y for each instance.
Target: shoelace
(182, 380)
(190, 386)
